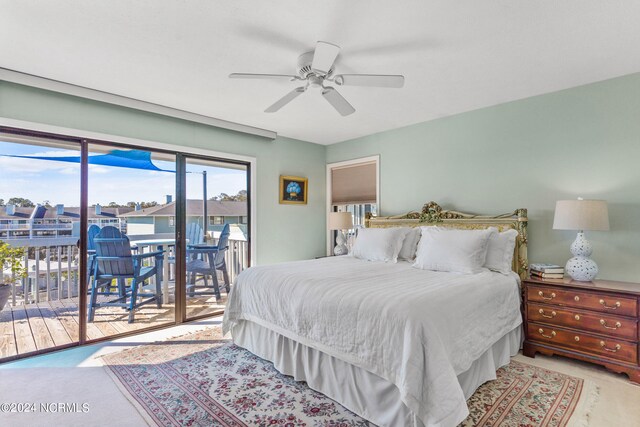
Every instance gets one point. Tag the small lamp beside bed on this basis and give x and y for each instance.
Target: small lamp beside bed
(581, 215)
(340, 221)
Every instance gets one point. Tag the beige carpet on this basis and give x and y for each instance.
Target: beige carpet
(107, 406)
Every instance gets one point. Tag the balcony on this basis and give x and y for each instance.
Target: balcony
(42, 310)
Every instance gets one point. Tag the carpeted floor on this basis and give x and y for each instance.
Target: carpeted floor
(202, 379)
(76, 375)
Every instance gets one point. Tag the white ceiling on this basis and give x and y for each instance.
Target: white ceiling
(456, 56)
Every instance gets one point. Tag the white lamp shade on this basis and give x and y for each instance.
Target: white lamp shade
(340, 221)
(581, 215)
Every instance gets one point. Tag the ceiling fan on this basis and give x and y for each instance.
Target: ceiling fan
(316, 69)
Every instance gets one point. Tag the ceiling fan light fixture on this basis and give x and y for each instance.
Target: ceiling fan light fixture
(315, 81)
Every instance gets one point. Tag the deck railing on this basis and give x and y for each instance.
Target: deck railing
(36, 224)
(237, 258)
(53, 268)
(14, 226)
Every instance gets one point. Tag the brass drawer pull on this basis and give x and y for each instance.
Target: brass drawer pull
(604, 323)
(610, 307)
(553, 333)
(577, 338)
(577, 317)
(612, 350)
(576, 298)
(553, 314)
(553, 295)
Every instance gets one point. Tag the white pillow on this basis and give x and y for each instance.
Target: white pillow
(500, 251)
(379, 244)
(410, 244)
(460, 251)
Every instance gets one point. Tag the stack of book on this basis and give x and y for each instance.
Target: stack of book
(546, 271)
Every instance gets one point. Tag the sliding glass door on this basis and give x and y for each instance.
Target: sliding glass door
(99, 240)
(130, 240)
(216, 232)
(39, 211)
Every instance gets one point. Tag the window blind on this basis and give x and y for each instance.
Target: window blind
(354, 184)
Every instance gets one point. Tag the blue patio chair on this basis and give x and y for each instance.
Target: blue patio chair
(195, 237)
(195, 234)
(92, 231)
(204, 261)
(114, 260)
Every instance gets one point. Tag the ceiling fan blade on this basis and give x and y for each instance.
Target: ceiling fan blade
(324, 56)
(262, 76)
(376, 80)
(285, 99)
(339, 103)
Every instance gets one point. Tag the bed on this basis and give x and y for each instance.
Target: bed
(397, 345)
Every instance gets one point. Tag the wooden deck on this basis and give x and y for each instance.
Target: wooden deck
(33, 327)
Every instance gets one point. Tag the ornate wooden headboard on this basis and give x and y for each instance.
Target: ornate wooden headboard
(433, 214)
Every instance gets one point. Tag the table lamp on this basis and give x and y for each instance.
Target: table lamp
(340, 221)
(581, 215)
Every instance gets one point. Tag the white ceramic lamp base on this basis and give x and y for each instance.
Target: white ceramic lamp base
(581, 267)
(341, 244)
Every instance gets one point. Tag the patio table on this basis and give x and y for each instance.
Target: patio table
(153, 244)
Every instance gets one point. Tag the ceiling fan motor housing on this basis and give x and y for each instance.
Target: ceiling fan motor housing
(304, 65)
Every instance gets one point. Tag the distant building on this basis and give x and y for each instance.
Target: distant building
(61, 221)
(54, 221)
(161, 218)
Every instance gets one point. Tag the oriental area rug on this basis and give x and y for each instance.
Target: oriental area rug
(201, 379)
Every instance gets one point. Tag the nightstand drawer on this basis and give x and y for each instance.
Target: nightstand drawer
(614, 326)
(583, 342)
(579, 299)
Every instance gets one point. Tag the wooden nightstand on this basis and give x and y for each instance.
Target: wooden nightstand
(591, 321)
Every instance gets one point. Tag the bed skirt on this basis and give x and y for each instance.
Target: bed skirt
(358, 390)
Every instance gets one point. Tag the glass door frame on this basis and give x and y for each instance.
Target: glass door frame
(82, 241)
(181, 226)
(180, 230)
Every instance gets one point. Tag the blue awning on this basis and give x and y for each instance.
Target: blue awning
(133, 159)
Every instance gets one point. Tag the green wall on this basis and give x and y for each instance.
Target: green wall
(583, 141)
(284, 232)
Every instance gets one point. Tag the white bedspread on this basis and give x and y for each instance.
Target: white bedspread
(417, 329)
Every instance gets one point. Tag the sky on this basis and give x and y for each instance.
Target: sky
(59, 182)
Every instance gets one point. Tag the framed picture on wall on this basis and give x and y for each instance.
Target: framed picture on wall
(293, 190)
